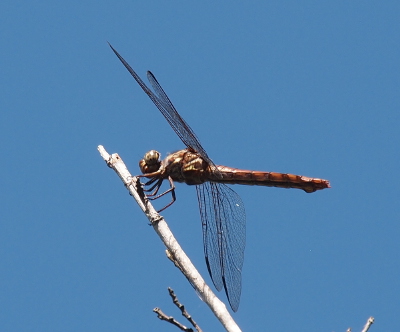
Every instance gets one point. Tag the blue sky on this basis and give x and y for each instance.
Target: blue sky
(309, 87)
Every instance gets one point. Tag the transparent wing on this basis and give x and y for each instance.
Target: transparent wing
(221, 209)
(167, 109)
(224, 237)
(181, 128)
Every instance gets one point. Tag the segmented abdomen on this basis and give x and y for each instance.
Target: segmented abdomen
(271, 179)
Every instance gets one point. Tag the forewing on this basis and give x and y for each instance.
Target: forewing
(178, 124)
(224, 235)
(167, 109)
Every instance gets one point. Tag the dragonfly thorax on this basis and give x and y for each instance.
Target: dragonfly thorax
(150, 162)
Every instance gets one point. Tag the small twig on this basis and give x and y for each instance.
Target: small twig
(183, 310)
(171, 320)
(172, 258)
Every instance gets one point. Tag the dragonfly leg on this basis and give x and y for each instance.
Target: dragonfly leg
(156, 187)
(172, 191)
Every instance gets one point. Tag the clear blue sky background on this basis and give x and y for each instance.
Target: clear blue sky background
(304, 87)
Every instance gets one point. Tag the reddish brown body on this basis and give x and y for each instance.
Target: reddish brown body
(188, 167)
(221, 209)
(270, 179)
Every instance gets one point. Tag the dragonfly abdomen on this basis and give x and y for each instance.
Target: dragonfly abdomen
(270, 179)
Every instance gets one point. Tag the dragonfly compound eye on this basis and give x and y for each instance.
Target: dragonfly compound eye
(151, 162)
(152, 157)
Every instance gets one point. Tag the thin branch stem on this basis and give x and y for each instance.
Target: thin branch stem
(183, 309)
(171, 320)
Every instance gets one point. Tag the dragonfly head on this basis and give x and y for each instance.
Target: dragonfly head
(150, 162)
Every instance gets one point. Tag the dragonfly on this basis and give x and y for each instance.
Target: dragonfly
(222, 211)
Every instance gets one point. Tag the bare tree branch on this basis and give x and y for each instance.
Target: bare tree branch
(172, 320)
(183, 310)
(160, 226)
